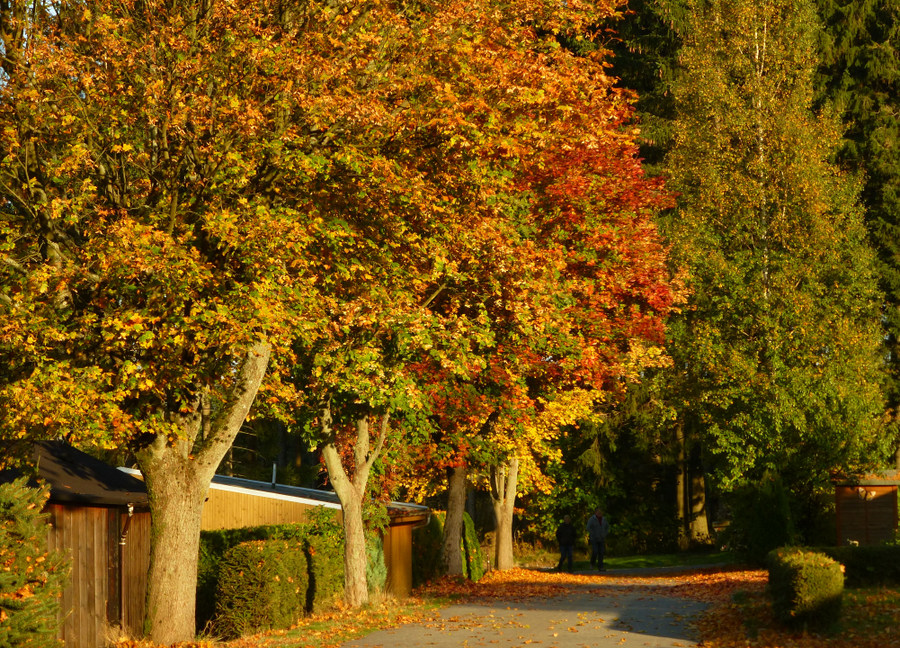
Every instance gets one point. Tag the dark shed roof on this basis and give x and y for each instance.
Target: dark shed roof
(78, 478)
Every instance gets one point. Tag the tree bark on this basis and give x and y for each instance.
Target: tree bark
(681, 486)
(451, 553)
(178, 473)
(503, 496)
(351, 489)
(699, 528)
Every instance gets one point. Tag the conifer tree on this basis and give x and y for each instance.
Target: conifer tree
(31, 578)
(779, 341)
(859, 75)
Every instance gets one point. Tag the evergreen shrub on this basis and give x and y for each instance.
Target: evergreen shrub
(31, 577)
(806, 588)
(262, 585)
(473, 557)
(426, 563)
(427, 550)
(761, 520)
(376, 567)
(867, 566)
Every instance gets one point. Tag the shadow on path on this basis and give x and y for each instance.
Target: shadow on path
(588, 614)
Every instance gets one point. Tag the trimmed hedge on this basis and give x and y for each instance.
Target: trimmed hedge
(322, 545)
(867, 566)
(806, 587)
(263, 585)
(325, 556)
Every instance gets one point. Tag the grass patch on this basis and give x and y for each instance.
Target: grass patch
(688, 559)
(545, 558)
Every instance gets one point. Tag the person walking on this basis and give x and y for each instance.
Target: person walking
(565, 536)
(597, 529)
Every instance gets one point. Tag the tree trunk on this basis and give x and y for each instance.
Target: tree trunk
(451, 553)
(699, 529)
(681, 486)
(177, 495)
(178, 473)
(503, 496)
(356, 587)
(351, 489)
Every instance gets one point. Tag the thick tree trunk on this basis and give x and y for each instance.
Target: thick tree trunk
(451, 553)
(681, 486)
(504, 479)
(178, 473)
(699, 529)
(350, 488)
(356, 587)
(176, 504)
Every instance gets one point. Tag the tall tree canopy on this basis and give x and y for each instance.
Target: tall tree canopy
(779, 342)
(581, 305)
(859, 77)
(201, 199)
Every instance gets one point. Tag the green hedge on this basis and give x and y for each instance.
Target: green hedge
(806, 587)
(262, 585)
(31, 577)
(322, 544)
(867, 566)
(326, 571)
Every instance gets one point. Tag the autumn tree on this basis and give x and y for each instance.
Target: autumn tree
(580, 308)
(175, 177)
(779, 340)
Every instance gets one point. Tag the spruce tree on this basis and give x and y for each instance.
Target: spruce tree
(31, 577)
(776, 352)
(859, 75)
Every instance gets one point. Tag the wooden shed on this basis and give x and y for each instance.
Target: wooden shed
(233, 502)
(100, 518)
(866, 509)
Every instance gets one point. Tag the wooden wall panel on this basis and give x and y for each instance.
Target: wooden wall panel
(232, 510)
(82, 533)
(398, 560)
(136, 559)
(866, 514)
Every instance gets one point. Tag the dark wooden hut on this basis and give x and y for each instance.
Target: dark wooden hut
(99, 517)
(866, 509)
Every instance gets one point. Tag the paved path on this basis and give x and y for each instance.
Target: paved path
(589, 615)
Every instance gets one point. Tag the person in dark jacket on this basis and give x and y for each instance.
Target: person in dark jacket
(565, 536)
(597, 528)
